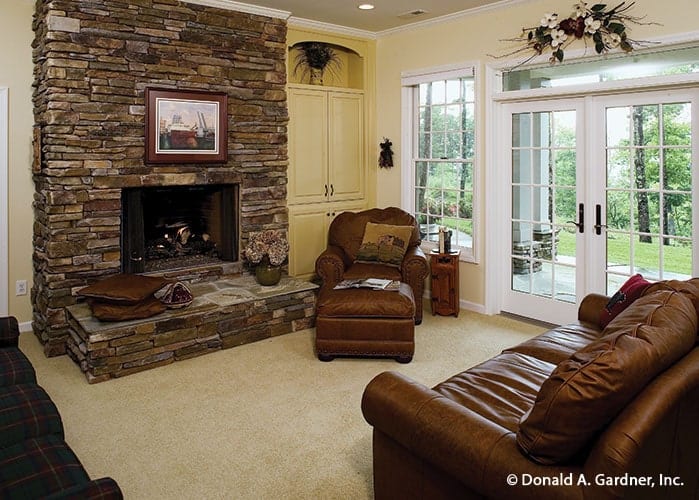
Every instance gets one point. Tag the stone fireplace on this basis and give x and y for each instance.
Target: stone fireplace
(93, 62)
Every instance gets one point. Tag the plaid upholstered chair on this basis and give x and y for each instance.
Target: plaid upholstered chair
(35, 461)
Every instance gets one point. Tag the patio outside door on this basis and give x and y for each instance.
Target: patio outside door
(601, 189)
(641, 213)
(545, 246)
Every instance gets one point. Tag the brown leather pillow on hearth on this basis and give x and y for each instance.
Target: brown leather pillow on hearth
(124, 297)
(112, 311)
(124, 288)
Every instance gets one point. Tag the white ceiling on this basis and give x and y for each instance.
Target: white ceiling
(387, 14)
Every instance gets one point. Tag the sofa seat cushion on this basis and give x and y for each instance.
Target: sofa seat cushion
(39, 467)
(365, 303)
(559, 343)
(15, 367)
(363, 271)
(585, 392)
(501, 389)
(26, 411)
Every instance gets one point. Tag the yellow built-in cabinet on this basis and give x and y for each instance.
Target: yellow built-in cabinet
(327, 167)
(328, 157)
(326, 145)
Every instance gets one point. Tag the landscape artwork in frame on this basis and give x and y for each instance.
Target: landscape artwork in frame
(186, 126)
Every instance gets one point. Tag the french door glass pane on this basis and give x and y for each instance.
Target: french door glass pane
(649, 177)
(543, 203)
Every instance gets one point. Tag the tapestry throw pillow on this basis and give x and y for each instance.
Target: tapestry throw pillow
(629, 291)
(384, 244)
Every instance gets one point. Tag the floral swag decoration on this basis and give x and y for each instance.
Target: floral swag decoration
(605, 27)
(271, 244)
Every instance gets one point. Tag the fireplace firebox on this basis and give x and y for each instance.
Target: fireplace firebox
(174, 227)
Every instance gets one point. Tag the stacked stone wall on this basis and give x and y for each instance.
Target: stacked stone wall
(93, 61)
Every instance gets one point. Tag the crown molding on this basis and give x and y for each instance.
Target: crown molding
(243, 7)
(450, 17)
(300, 22)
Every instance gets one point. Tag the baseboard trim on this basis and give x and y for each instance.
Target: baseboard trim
(463, 304)
(25, 327)
(472, 306)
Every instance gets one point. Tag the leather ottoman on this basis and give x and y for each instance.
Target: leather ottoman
(362, 322)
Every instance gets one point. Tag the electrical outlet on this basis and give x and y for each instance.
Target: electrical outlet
(21, 287)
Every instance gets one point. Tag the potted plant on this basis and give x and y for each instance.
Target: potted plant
(313, 58)
(267, 250)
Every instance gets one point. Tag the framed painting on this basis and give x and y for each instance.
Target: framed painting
(186, 126)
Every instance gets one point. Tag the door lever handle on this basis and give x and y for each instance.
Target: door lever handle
(579, 225)
(581, 217)
(598, 219)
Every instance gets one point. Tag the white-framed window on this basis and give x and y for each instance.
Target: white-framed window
(439, 150)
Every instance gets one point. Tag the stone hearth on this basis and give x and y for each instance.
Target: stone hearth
(93, 62)
(225, 313)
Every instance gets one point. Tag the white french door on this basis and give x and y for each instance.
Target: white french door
(600, 188)
(547, 187)
(644, 187)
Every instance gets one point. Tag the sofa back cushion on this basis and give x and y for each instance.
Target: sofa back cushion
(585, 392)
(689, 287)
(347, 229)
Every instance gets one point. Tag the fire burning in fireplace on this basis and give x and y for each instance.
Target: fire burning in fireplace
(179, 226)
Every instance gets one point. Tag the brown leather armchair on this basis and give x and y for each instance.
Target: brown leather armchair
(337, 262)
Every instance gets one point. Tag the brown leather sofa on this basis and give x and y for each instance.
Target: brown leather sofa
(577, 412)
(345, 235)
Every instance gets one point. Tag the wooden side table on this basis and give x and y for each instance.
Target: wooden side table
(444, 268)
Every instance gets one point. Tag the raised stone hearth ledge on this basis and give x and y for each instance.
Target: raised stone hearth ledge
(225, 313)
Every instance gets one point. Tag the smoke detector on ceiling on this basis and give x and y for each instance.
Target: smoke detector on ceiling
(412, 14)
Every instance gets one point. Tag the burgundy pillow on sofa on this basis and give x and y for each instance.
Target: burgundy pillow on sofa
(629, 291)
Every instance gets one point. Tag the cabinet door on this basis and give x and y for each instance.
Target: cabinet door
(308, 234)
(308, 146)
(307, 239)
(346, 146)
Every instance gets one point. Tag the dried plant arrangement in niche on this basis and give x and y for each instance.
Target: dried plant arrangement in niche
(313, 59)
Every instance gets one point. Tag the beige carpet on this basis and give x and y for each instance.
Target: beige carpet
(261, 421)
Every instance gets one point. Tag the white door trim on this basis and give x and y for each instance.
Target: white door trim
(4, 203)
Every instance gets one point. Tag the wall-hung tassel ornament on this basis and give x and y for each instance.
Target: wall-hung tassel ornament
(386, 155)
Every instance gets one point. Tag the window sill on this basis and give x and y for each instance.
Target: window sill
(465, 256)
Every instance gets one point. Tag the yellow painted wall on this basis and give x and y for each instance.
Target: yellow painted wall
(471, 39)
(465, 39)
(16, 74)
